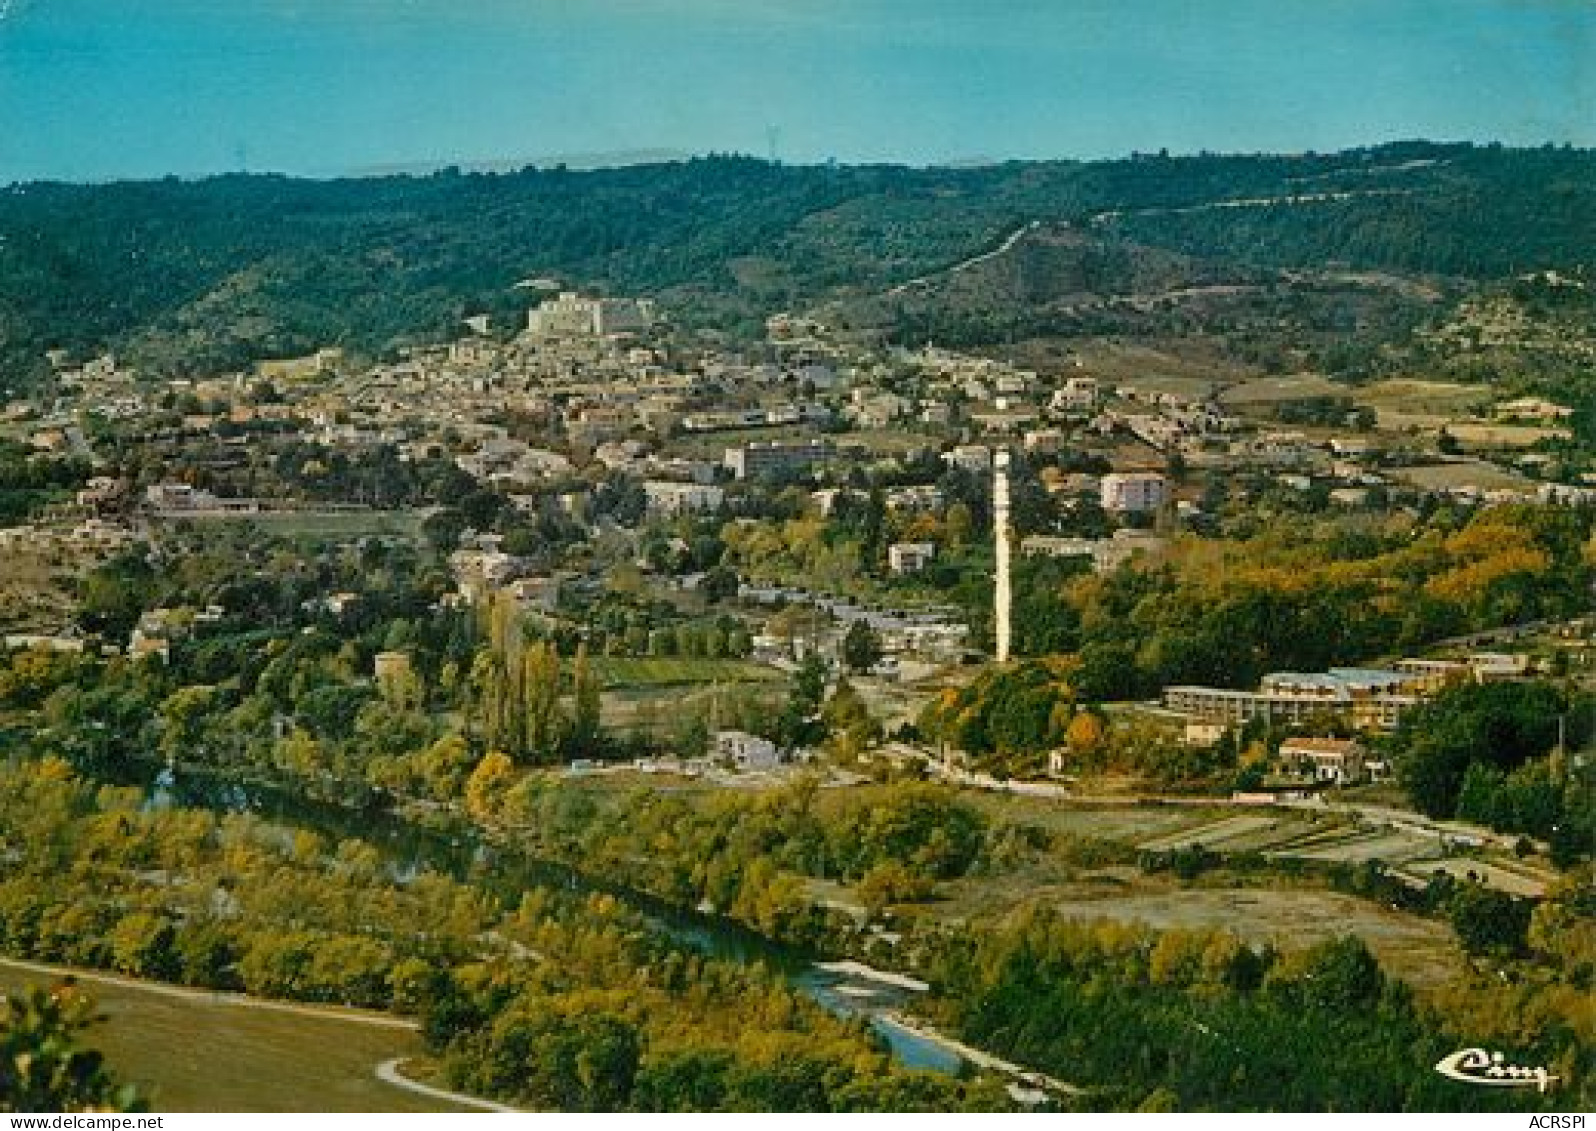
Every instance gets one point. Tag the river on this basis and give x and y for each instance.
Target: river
(408, 848)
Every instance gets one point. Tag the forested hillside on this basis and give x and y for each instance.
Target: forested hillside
(197, 276)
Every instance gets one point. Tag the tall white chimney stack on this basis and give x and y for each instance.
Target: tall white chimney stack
(1003, 598)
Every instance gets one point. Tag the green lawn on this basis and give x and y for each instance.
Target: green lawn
(194, 1052)
(620, 671)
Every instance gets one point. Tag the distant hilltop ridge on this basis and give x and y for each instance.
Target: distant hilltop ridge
(612, 159)
(584, 162)
(186, 277)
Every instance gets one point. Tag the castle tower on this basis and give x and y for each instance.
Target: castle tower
(1003, 597)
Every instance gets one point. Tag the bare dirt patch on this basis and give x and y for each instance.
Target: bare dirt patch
(1474, 473)
(1420, 951)
(1271, 390)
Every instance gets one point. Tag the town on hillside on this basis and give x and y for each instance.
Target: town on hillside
(931, 669)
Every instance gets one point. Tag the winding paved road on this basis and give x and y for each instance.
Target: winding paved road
(1003, 248)
(388, 1072)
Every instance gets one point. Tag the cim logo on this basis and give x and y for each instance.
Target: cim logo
(1476, 1066)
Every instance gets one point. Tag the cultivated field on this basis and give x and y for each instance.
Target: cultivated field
(1480, 434)
(1128, 823)
(1519, 881)
(1273, 390)
(1184, 368)
(1411, 395)
(1420, 951)
(1461, 473)
(626, 671)
(659, 695)
(36, 586)
(662, 709)
(1263, 907)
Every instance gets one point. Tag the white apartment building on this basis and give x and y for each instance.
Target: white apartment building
(760, 461)
(746, 751)
(1077, 394)
(572, 316)
(1135, 492)
(975, 458)
(667, 497)
(1371, 698)
(910, 557)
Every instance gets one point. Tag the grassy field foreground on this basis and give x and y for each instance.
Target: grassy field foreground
(193, 1051)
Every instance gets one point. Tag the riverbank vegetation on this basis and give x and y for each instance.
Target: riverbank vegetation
(97, 878)
(102, 879)
(761, 859)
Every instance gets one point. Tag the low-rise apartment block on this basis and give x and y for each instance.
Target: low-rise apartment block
(1135, 492)
(1371, 698)
(778, 458)
(667, 497)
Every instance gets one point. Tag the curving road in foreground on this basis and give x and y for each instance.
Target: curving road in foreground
(388, 1072)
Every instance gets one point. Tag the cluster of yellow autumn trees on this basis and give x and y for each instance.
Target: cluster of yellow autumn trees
(519, 692)
(557, 1000)
(1313, 593)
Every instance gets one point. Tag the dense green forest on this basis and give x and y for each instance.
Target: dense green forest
(196, 276)
(1195, 1020)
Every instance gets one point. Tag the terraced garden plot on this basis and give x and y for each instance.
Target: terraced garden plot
(1210, 835)
(332, 526)
(1194, 372)
(37, 586)
(1535, 871)
(1484, 433)
(1315, 834)
(1435, 398)
(1271, 390)
(1321, 837)
(1391, 847)
(1127, 823)
(1504, 879)
(1280, 832)
(660, 708)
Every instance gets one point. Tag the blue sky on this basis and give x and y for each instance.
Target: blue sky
(93, 89)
